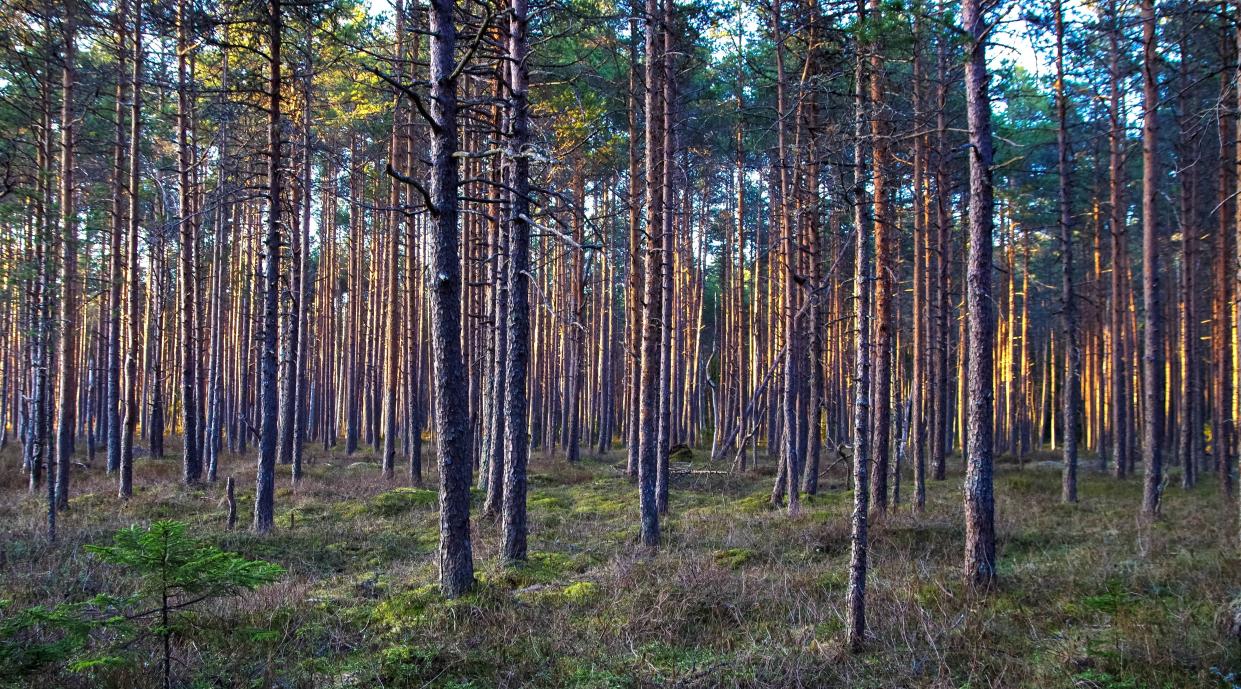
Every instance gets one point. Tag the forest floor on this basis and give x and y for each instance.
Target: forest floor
(738, 595)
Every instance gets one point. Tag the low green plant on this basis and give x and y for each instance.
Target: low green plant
(401, 500)
(176, 572)
(40, 636)
(173, 572)
(580, 591)
(733, 558)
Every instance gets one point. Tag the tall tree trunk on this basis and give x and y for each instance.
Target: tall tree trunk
(577, 327)
(494, 502)
(789, 450)
(111, 416)
(453, 440)
(648, 440)
(918, 385)
(885, 287)
(979, 492)
(37, 450)
(301, 260)
(635, 278)
(862, 284)
(1152, 345)
(265, 490)
(516, 441)
(191, 462)
(1236, 151)
(134, 288)
(745, 375)
(667, 251)
(1187, 404)
(1116, 222)
(224, 220)
(66, 357)
(1222, 312)
(392, 348)
(516, 404)
(942, 415)
(1068, 313)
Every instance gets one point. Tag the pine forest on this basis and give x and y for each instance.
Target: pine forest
(613, 344)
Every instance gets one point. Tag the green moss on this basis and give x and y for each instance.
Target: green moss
(733, 558)
(371, 585)
(827, 499)
(1023, 484)
(401, 500)
(426, 606)
(550, 521)
(580, 591)
(829, 629)
(753, 504)
(549, 502)
(556, 564)
(540, 568)
(409, 608)
(1110, 602)
(601, 501)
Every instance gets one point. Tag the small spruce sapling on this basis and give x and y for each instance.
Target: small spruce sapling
(176, 572)
(173, 571)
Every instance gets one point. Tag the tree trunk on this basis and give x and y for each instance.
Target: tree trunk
(789, 451)
(133, 296)
(1237, 166)
(667, 250)
(111, 416)
(453, 440)
(1152, 346)
(885, 278)
(392, 345)
(862, 284)
(265, 490)
(1187, 404)
(940, 442)
(66, 357)
(1236, 178)
(648, 440)
(918, 385)
(516, 404)
(1117, 210)
(1068, 313)
(635, 278)
(191, 460)
(979, 492)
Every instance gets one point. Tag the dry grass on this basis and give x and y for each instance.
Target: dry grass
(738, 596)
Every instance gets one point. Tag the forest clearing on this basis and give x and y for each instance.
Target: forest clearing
(588, 343)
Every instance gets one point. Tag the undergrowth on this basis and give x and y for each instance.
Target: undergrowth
(739, 594)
